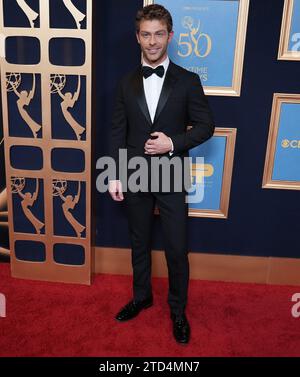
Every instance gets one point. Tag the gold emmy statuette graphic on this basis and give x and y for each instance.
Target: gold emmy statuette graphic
(17, 185)
(57, 81)
(30, 13)
(188, 23)
(68, 100)
(77, 15)
(13, 81)
(69, 202)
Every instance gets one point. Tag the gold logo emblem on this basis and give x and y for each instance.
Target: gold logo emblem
(28, 200)
(191, 41)
(285, 143)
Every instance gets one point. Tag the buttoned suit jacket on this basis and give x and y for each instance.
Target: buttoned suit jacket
(182, 113)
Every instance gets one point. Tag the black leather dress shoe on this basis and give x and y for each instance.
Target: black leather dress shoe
(133, 308)
(181, 328)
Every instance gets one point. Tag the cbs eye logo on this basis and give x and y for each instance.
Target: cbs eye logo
(285, 143)
(295, 144)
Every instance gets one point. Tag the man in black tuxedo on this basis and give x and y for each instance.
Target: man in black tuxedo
(160, 112)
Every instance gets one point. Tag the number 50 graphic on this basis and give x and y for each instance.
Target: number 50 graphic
(194, 40)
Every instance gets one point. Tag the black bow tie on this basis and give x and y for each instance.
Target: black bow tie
(148, 71)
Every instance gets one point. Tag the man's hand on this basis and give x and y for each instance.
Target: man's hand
(115, 190)
(162, 144)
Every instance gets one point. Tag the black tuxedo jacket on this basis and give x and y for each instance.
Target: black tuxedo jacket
(182, 113)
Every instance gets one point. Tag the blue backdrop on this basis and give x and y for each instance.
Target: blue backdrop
(261, 222)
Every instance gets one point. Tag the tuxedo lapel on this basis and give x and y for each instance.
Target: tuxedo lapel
(140, 94)
(167, 88)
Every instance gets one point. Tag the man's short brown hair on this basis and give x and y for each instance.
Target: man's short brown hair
(154, 12)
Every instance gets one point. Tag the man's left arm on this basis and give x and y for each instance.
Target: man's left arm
(201, 123)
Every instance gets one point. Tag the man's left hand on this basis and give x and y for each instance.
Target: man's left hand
(162, 144)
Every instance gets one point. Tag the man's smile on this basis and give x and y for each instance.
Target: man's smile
(153, 51)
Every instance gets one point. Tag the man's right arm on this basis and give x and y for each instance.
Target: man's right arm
(115, 190)
(117, 140)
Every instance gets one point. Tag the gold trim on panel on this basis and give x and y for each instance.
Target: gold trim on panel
(216, 267)
(284, 53)
(222, 213)
(49, 270)
(235, 89)
(268, 182)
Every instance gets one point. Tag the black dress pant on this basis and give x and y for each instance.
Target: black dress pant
(174, 215)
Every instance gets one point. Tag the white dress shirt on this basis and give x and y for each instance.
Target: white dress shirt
(152, 87)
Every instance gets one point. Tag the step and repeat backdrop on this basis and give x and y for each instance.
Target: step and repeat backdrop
(46, 73)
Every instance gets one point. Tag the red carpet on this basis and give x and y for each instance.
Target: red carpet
(227, 319)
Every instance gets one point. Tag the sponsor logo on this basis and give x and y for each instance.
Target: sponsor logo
(294, 144)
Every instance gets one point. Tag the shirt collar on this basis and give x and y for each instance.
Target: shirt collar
(165, 64)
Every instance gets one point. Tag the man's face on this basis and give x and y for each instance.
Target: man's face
(154, 38)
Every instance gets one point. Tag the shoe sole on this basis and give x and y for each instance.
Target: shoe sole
(126, 320)
(182, 343)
